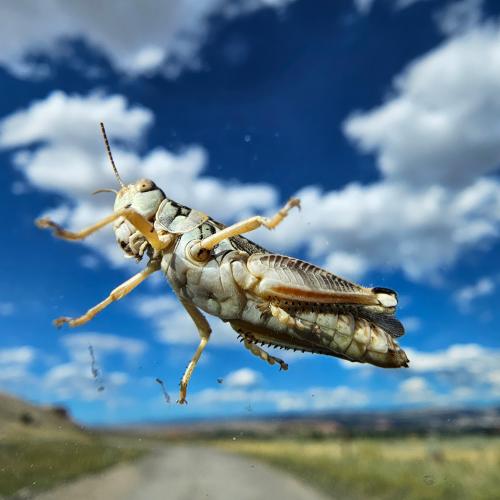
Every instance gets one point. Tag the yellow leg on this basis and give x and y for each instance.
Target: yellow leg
(204, 330)
(137, 220)
(260, 353)
(118, 293)
(244, 227)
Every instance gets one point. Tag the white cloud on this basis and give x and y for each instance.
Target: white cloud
(466, 358)
(103, 345)
(460, 16)
(62, 119)
(436, 139)
(403, 4)
(483, 287)
(390, 225)
(441, 123)
(460, 374)
(365, 6)
(313, 398)
(75, 381)
(416, 390)
(15, 364)
(71, 161)
(242, 378)
(17, 355)
(85, 375)
(153, 37)
(173, 325)
(347, 265)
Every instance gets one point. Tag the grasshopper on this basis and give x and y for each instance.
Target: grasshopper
(268, 299)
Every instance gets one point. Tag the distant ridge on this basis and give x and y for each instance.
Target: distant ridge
(21, 419)
(416, 421)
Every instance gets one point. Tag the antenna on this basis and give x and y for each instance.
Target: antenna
(108, 149)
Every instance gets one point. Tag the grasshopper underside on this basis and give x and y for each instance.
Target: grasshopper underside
(267, 298)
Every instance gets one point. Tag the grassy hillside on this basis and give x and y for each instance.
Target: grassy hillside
(41, 447)
(382, 468)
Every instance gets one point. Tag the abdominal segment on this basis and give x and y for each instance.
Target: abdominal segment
(342, 331)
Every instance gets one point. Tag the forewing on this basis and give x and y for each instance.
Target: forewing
(293, 279)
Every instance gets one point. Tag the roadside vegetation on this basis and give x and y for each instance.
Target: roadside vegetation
(34, 465)
(41, 447)
(386, 468)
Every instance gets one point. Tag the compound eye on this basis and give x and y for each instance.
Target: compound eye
(145, 185)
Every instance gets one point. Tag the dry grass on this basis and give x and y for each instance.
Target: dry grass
(410, 468)
(41, 447)
(34, 465)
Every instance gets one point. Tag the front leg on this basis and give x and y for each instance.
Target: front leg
(137, 220)
(118, 293)
(204, 330)
(243, 227)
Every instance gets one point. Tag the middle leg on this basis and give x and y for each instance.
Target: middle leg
(204, 330)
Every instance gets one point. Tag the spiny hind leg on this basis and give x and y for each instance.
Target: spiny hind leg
(268, 308)
(137, 220)
(244, 226)
(260, 353)
(204, 330)
(118, 293)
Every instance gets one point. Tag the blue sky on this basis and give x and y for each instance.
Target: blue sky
(383, 116)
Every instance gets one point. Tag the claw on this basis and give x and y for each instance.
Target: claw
(46, 223)
(59, 322)
(294, 202)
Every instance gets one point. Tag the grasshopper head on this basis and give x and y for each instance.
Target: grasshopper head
(143, 197)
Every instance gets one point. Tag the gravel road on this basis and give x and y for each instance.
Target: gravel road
(187, 473)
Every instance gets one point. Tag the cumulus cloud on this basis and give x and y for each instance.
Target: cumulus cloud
(460, 374)
(436, 142)
(17, 355)
(483, 287)
(71, 161)
(313, 398)
(85, 375)
(365, 6)
(15, 364)
(162, 37)
(460, 16)
(103, 344)
(244, 377)
(416, 390)
(173, 325)
(441, 123)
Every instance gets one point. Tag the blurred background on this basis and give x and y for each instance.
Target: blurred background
(383, 116)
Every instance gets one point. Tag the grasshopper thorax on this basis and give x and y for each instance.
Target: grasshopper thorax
(143, 197)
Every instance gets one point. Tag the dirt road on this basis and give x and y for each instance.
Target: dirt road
(187, 473)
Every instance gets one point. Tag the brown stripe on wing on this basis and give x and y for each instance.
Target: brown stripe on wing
(322, 296)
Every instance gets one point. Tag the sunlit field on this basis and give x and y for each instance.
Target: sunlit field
(410, 468)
